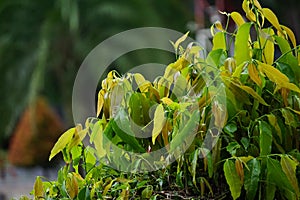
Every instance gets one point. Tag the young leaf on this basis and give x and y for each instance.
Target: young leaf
(180, 40)
(290, 34)
(289, 168)
(97, 132)
(271, 17)
(265, 138)
(62, 142)
(232, 178)
(242, 49)
(219, 41)
(159, 121)
(38, 188)
(252, 178)
(237, 18)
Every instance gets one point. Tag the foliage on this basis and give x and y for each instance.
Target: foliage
(257, 125)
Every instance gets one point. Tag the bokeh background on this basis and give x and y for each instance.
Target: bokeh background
(44, 42)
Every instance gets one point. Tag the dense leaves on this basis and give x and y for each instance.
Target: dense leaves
(231, 122)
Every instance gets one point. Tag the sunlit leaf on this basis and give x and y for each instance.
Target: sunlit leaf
(288, 117)
(219, 41)
(62, 142)
(249, 13)
(237, 18)
(254, 94)
(242, 49)
(98, 139)
(290, 34)
(271, 17)
(232, 178)
(159, 122)
(72, 186)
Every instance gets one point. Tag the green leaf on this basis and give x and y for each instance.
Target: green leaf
(216, 58)
(121, 127)
(252, 178)
(186, 133)
(97, 132)
(265, 138)
(288, 117)
(275, 175)
(232, 178)
(241, 46)
(219, 41)
(62, 142)
(289, 168)
(38, 188)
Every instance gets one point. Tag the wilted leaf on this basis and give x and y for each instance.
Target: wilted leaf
(180, 40)
(232, 178)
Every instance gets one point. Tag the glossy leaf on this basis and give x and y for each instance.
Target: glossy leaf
(237, 18)
(232, 178)
(271, 17)
(242, 49)
(252, 173)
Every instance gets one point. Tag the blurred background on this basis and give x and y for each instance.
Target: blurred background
(43, 43)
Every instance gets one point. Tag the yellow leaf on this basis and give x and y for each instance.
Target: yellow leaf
(257, 5)
(141, 82)
(219, 26)
(220, 114)
(256, 96)
(165, 134)
(38, 188)
(253, 73)
(239, 169)
(62, 142)
(290, 34)
(100, 101)
(249, 13)
(271, 17)
(159, 122)
(72, 186)
(273, 121)
(166, 101)
(237, 18)
(180, 40)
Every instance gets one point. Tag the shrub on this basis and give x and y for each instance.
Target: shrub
(245, 139)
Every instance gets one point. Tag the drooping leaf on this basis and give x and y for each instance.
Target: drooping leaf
(159, 122)
(288, 117)
(72, 186)
(273, 121)
(271, 17)
(254, 75)
(290, 34)
(265, 138)
(275, 175)
(242, 49)
(252, 178)
(97, 132)
(180, 40)
(249, 13)
(289, 168)
(186, 133)
(232, 178)
(237, 18)
(62, 142)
